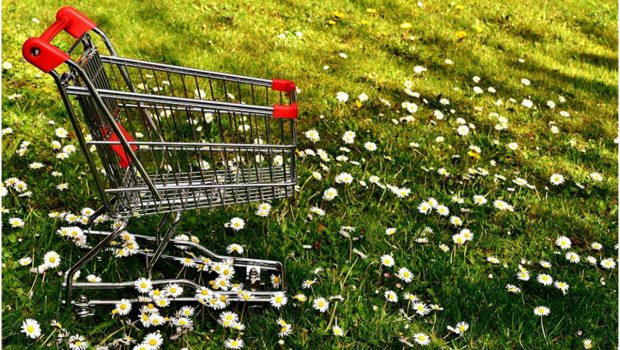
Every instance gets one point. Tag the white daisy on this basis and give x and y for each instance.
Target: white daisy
(349, 137)
(236, 248)
(573, 257)
(77, 342)
(320, 304)
(387, 260)
(278, 300)
(31, 328)
(370, 146)
(421, 338)
(236, 224)
(16, 222)
(330, 194)
(420, 308)
(391, 296)
(424, 208)
(123, 307)
(313, 135)
(556, 179)
(523, 275)
(143, 285)
(608, 264)
(342, 97)
(541, 311)
(51, 259)
(513, 289)
(404, 274)
(155, 340)
(544, 279)
(337, 331)
(25, 261)
(563, 242)
(563, 286)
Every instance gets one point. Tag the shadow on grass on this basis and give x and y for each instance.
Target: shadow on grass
(609, 62)
(597, 32)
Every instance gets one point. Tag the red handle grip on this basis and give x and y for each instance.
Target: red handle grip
(283, 85)
(45, 56)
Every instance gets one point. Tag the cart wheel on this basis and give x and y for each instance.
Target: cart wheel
(84, 308)
(253, 278)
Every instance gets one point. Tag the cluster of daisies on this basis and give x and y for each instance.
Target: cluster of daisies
(32, 329)
(152, 301)
(431, 205)
(412, 301)
(545, 279)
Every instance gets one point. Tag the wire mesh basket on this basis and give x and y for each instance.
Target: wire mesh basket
(164, 138)
(195, 152)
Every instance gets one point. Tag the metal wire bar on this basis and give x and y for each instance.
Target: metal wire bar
(162, 243)
(68, 283)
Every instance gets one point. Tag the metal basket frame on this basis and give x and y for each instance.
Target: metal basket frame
(243, 150)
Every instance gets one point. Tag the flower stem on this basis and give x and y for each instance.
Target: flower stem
(331, 319)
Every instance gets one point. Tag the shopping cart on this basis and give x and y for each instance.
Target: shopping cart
(164, 139)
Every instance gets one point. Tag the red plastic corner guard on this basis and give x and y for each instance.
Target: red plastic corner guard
(45, 56)
(286, 112)
(282, 85)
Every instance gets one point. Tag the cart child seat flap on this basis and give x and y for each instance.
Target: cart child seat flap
(118, 149)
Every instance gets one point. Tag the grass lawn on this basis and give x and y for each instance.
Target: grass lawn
(481, 75)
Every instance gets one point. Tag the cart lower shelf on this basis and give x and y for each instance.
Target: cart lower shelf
(204, 189)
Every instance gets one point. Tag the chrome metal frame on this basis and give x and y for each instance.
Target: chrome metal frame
(238, 152)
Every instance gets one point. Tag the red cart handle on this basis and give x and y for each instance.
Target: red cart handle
(45, 56)
(283, 85)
